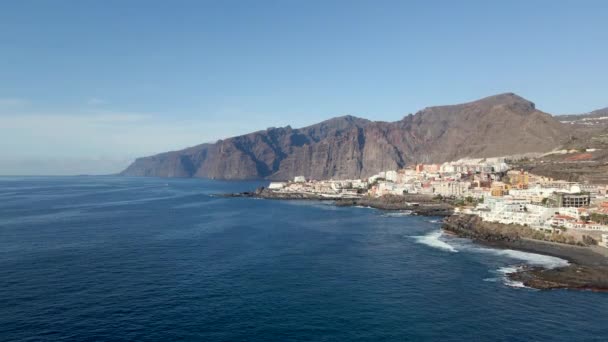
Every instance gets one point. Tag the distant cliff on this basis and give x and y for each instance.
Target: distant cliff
(350, 147)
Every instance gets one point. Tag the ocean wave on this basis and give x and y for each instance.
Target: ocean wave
(509, 269)
(433, 239)
(532, 259)
(514, 283)
(398, 213)
(505, 271)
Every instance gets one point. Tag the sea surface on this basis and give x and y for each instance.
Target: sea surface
(144, 259)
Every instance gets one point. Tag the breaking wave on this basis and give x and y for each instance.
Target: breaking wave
(505, 271)
(433, 239)
(398, 213)
(532, 259)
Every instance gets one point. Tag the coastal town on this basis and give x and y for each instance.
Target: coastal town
(489, 188)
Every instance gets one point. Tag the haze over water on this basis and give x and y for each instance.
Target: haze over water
(101, 258)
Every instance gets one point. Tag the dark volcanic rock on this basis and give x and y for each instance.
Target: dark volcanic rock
(269, 194)
(426, 207)
(571, 277)
(350, 147)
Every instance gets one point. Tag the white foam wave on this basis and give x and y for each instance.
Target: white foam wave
(532, 259)
(433, 239)
(514, 283)
(508, 269)
(505, 271)
(398, 213)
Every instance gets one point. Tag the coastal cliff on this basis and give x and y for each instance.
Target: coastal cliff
(348, 147)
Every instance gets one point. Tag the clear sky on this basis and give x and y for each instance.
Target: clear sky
(85, 86)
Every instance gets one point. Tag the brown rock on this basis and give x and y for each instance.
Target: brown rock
(350, 147)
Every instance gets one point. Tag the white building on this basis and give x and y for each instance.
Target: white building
(604, 242)
(450, 189)
(515, 211)
(277, 185)
(359, 184)
(391, 176)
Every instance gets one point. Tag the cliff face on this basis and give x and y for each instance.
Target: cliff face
(350, 147)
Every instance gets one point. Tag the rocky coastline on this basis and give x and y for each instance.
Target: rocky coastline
(588, 269)
(275, 195)
(428, 208)
(417, 204)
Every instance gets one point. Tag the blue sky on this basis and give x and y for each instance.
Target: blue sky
(88, 85)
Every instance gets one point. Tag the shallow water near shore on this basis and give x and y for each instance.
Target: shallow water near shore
(102, 258)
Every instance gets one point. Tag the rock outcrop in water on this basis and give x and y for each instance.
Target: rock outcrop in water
(417, 204)
(350, 147)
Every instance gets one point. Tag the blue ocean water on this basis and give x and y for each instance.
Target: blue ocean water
(128, 259)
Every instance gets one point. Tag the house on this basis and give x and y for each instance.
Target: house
(277, 185)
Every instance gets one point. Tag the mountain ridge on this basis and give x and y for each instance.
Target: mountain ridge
(353, 147)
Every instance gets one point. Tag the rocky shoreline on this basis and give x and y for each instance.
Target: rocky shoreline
(588, 270)
(275, 195)
(417, 204)
(432, 208)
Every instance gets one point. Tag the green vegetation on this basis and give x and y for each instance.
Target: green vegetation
(467, 201)
(599, 218)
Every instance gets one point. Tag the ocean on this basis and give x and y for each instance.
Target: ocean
(145, 259)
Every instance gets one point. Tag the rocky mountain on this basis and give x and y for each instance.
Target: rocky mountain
(599, 116)
(350, 147)
(590, 130)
